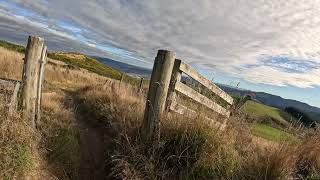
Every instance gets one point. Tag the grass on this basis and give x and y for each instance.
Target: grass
(260, 110)
(188, 148)
(192, 148)
(17, 142)
(10, 64)
(93, 65)
(73, 60)
(270, 133)
(12, 47)
(85, 62)
(60, 134)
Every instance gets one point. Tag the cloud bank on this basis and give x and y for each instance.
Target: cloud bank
(274, 42)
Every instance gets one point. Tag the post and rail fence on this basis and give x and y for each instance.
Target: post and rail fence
(26, 94)
(164, 85)
(162, 96)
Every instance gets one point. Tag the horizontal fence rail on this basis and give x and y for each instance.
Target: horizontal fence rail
(193, 94)
(186, 90)
(161, 87)
(11, 88)
(205, 82)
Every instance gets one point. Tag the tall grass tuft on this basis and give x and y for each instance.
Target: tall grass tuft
(17, 144)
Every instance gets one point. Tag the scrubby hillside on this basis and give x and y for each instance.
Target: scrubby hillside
(91, 130)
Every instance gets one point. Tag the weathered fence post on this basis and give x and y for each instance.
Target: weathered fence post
(121, 79)
(29, 95)
(175, 77)
(140, 85)
(157, 95)
(40, 82)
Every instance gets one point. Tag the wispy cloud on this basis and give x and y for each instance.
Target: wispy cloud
(217, 35)
(290, 65)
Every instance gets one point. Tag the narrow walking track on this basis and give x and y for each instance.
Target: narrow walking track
(92, 153)
(94, 139)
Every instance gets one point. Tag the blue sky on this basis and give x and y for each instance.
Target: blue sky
(271, 46)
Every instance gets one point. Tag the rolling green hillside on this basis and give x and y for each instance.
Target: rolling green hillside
(258, 110)
(265, 131)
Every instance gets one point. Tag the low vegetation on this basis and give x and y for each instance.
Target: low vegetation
(258, 110)
(270, 133)
(72, 60)
(91, 130)
(191, 148)
(12, 47)
(81, 61)
(16, 145)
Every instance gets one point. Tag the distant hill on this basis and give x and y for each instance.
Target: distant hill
(275, 101)
(127, 68)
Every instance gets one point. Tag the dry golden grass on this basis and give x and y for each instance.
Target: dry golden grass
(17, 144)
(63, 77)
(57, 73)
(192, 148)
(11, 64)
(59, 135)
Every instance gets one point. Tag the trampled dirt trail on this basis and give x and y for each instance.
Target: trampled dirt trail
(92, 165)
(92, 144)
(96, 138)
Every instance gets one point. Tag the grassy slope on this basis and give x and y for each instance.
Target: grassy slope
(260, 110)
(86, 62)
(270, 133)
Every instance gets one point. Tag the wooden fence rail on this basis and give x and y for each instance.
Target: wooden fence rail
(196, 96)
(166, 82)
(11, 88)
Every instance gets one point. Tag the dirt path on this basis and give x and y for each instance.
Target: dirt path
(92, 152)
(93, 143)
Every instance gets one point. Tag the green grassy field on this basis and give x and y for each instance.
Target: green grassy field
(270, 133)
(12, 47)
(260, 110)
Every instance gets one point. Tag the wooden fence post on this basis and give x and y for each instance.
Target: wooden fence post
(121, 79)
(30, 80)
(140, 85)
(175, 77)
(40, 82)
(157, 95)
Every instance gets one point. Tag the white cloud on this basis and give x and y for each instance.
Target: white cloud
(224, 35)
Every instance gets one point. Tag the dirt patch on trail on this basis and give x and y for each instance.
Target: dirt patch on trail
(92, 164)
(95, 138)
